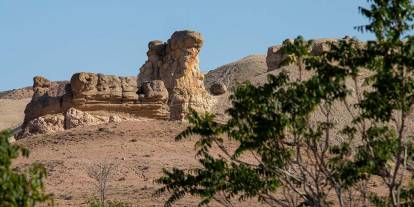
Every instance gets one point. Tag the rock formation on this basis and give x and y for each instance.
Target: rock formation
(218, 88)
(275, 55)
(76, 118)
(43, 125)
(92, 99)
(169, 84)
(176, 64)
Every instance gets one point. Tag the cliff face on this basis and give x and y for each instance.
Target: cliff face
(176, 63)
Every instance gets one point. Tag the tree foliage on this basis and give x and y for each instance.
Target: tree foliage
(286, 157)
(20, 188)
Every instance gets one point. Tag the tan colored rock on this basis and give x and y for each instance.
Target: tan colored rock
(109, 88)
(42, 103)
(91, 92)
(129, 89)
(47, 124)
(275, 55)
(176, 64)
(40, 86)
(83, 87)
(99, 88)
(153, 91)
(76, 118)
(39, 81)
(42, 106)
(169, 84)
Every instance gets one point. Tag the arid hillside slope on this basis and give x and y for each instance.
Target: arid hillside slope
(138, 150)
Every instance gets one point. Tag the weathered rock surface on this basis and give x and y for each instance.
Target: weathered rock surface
(99, 88)
(76, 118)
(275, 56)
(218, 88)
(89, 92)
(169, 83)
(176, 64)
(44, 125)
(72, 118)
(153, 91)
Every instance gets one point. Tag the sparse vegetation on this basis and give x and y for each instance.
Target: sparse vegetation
(21, 188)
(97, 203)
(102, 173)
(299, 161)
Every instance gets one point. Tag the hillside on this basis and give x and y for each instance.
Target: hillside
(138, 150)
(237, 72)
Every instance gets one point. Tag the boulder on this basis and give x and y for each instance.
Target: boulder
(218, 88)
(129, 89)
(76, 118)
(40, 86)
(47, 124)
(153, 91)
(39, 81)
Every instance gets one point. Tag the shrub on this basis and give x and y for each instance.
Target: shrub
(23, 188)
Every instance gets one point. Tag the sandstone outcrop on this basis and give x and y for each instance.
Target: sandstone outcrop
(275, 55)
(72, 118)
(176, 64)
(91, 99)
(169, 83)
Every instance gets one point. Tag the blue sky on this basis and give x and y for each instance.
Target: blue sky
(56, 38)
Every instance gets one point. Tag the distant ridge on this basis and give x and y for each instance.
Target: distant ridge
(57, 89)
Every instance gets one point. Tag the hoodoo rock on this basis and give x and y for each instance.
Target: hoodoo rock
(176, 63)
(169, 83)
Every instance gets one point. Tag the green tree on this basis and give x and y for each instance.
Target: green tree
(285, 157)
(19, 188)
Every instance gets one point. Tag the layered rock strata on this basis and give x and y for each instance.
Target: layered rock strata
(169, 83)
(91, 99)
